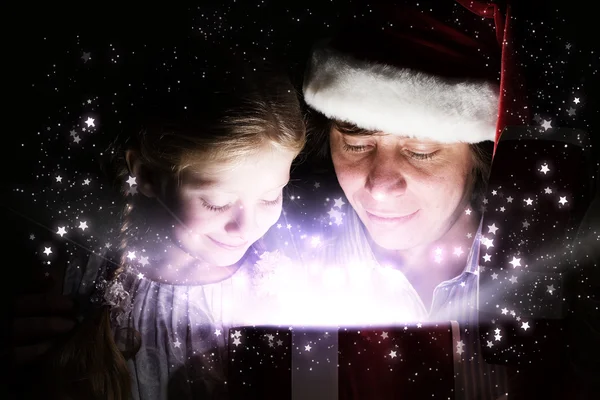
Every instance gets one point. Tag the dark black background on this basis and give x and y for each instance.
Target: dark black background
(40, 35)
(40, 38)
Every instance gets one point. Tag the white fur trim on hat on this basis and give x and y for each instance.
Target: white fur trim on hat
(400, 101)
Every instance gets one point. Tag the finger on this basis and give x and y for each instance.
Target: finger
(28, 329)
(27, 354)
(42, 304)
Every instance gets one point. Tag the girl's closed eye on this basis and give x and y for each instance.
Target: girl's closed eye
(225, 207)
(273, 202)
(214, 208)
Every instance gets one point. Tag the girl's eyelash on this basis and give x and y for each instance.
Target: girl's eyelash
(226, 207)
(273, 202)
(214, 208)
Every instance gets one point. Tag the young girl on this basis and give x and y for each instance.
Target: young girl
(203, 179)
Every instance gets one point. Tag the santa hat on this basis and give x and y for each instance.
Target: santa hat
(408, 73)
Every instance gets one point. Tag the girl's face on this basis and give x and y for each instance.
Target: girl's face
(223, 208)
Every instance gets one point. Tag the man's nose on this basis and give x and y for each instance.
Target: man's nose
(386, 176)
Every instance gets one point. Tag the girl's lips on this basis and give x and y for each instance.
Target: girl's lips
(228, 246)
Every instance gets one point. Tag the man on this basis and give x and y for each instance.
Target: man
(407, 108)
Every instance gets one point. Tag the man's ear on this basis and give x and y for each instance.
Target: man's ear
(146, 180)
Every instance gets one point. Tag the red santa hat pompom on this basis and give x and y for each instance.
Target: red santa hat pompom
(410, 73)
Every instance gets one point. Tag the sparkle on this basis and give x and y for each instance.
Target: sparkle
(547, 125)
(131, 181)
(90, 122)
(492, 229)
(487, 242)
(83, 225)
(393, 354)
(315, 241)
(338, 203)
(61, 231)
(563, 200)
(516, 262)
(47, 251)
(545, 169)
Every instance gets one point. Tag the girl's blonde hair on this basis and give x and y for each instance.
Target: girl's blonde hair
(239, 111)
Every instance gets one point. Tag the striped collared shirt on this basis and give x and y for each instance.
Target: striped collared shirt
(453, 300)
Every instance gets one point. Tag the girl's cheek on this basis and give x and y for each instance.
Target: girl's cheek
(274, 216)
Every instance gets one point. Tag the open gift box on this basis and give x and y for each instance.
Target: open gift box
(372, 363)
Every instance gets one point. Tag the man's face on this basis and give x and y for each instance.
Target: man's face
(407, 192)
